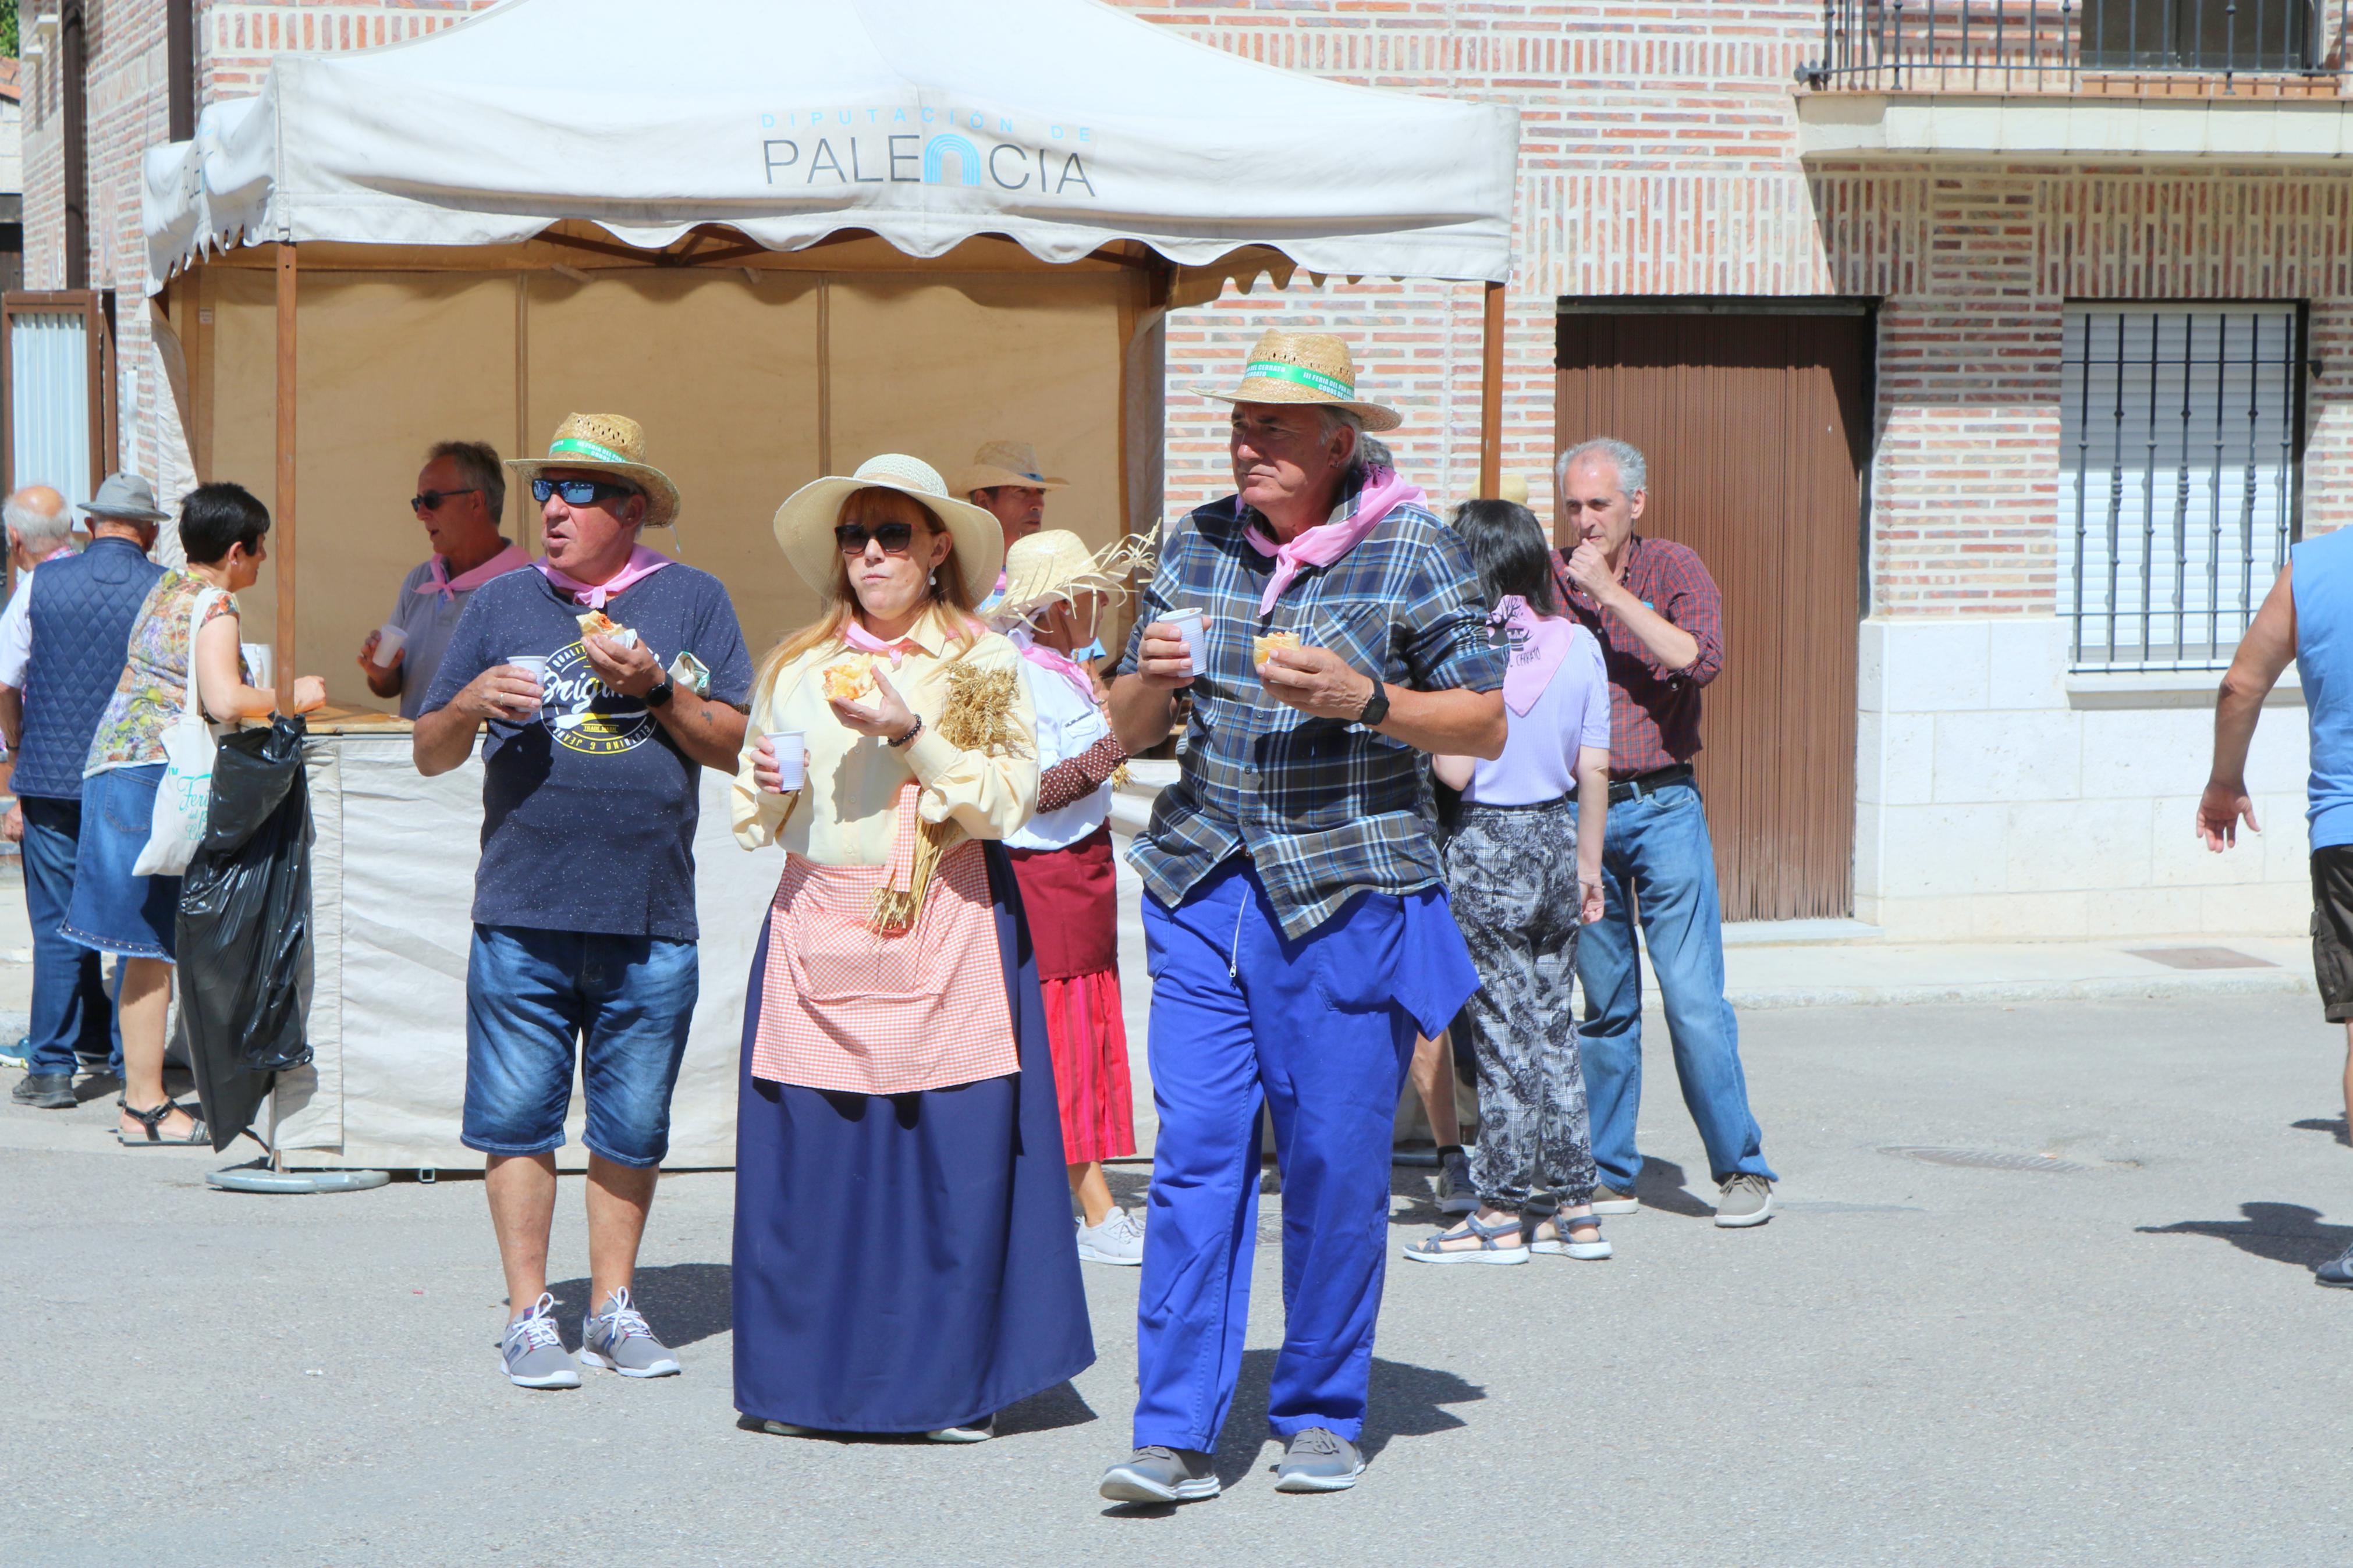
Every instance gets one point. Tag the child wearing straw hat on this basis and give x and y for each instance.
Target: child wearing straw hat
(1056, 591)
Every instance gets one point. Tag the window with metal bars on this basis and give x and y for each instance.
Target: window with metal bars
(2179, 476)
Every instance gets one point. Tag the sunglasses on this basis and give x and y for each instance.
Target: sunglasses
(577, 492)
(430, 500)
(895, 537)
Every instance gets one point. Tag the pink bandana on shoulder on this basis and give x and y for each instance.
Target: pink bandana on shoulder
(1538, 644)
(642, 563)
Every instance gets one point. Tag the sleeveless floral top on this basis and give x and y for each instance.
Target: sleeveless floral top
(153, 690)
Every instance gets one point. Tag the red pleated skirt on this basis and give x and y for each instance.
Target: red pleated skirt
(1088, 1039)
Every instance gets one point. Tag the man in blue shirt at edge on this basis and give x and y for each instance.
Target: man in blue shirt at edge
(2307, 618)
(584, 902)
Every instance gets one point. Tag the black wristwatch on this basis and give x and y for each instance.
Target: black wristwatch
(1376, 707)
(661, 695)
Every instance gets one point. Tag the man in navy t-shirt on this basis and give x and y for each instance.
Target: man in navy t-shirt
(583, 900)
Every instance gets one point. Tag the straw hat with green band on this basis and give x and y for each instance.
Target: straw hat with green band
(609, 444)
(1308, 368)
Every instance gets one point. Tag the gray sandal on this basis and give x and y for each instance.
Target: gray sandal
(153, 1120)
(1489, 1250)
(1560, 1246)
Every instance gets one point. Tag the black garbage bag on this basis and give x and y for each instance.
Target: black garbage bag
(244, 927)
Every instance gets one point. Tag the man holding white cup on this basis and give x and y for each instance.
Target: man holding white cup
(461, 493)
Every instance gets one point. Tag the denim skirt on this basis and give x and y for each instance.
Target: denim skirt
(113, 911)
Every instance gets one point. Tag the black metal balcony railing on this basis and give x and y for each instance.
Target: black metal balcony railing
(2264, 48)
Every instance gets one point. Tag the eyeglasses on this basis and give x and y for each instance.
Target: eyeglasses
(895, 537)
(577, 492)
(430, 500)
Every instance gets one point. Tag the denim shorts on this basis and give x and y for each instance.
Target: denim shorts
(113, 911)
(530, 995)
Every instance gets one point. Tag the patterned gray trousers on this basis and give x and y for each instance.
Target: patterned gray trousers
(1511, 874)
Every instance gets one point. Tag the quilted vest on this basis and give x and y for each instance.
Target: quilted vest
(82, 610)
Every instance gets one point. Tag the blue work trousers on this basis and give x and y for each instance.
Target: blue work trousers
(1657, 860)
(1313, 1030)
(73, 1015)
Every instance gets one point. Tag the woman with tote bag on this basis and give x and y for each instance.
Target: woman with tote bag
(184, 650)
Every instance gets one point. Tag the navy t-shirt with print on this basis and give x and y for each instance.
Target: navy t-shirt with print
(589, 810)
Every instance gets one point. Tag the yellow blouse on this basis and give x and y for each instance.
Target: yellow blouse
(847, 814)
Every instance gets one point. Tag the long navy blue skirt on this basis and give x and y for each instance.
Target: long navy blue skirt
(905, 1263)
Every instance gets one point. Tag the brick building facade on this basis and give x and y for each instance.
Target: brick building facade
(1704, 156)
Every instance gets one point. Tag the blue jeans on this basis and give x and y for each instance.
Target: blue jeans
(531, 994)
(1657, 849)
(73, 1015)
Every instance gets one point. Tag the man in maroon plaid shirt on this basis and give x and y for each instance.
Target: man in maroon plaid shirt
(1660, 620)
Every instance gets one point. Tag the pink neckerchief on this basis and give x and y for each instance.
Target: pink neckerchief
(642, 564)
(1321, 545)
(1538, 644)
(864, 641)
(1053, 660)
(507, 560)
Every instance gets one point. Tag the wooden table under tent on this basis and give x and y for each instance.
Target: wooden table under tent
(784, 234)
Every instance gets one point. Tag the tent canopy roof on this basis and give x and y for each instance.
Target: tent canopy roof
(1063, 125)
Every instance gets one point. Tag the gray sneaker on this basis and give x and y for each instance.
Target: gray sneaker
(45, 1091)
(533, 1351)
(1318, 1461)
(1161, 1475)
(1610, 1201)
(1118, 1240)
(617, 1340)
(1455, 1192)
(1742, 1200)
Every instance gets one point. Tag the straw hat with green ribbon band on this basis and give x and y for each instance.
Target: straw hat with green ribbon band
(1306, 368)
(608, 444)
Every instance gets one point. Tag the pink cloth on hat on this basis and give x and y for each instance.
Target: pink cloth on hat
(1321, 545)
(511, 559)
(642, 563)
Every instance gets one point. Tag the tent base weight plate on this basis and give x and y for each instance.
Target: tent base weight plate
(259, 1178)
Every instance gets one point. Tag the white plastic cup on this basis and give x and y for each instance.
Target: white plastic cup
(535, 666)
(261, 664)
(390, 638)
(791, 747)
(1192, 625)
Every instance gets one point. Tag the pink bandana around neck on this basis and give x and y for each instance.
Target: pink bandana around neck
(864, 641)
(1538, 644)
(642, 563)
(511, 559)
(1321, 545)
(1053, 661)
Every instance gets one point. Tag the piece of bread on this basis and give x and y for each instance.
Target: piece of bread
(597, 624)
(847, 681)
(1262, 646)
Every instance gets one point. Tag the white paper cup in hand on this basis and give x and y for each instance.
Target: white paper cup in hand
(535, 666)
(1191, 625)
(389, 641)
(791, 747)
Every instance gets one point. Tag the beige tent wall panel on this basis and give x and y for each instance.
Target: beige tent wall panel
(721, 372)
(388, 364)
(935, 366)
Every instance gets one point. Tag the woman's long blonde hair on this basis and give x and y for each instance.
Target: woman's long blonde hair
(873, 507)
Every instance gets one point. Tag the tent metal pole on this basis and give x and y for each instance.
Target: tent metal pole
(1491, 396)
(282, 547)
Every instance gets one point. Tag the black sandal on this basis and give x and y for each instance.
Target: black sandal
(153, 1120)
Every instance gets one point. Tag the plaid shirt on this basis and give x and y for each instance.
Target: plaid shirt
(1324, 809)
(1654, 711)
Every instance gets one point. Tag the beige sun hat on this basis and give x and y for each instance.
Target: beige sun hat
(1054, 565)
(1304, 367)
(1004, 463)
(608, 444)
(805, 523)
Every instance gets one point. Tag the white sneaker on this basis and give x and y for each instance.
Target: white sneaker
(1118, 1240)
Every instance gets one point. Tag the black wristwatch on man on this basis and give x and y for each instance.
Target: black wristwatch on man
(1376, 707)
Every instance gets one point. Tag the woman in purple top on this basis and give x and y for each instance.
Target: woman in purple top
(1524, 870)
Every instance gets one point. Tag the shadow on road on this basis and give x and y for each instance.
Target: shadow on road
(2332, 1125)
(683, 1302)
(1661, 1187)
(2282, 1233)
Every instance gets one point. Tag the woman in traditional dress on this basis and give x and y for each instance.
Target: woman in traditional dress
(903, 1252)
(1056, 591)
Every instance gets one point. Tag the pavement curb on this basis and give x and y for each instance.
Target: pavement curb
(2119, 989)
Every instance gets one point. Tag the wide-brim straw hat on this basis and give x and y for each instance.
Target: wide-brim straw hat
(1004, 463)
(804, 523)
(606, 444)
(1054, 565)
(1309, 368)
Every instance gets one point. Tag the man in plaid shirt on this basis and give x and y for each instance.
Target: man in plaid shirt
(1296, 926)
(1661, 624)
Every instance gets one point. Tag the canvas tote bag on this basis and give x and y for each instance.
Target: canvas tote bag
(184, 799)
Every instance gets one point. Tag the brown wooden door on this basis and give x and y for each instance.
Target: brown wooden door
(1755, 429)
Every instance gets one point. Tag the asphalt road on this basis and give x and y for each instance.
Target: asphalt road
(2114, 1356)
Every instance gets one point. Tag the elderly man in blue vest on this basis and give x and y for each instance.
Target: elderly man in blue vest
(79, 616)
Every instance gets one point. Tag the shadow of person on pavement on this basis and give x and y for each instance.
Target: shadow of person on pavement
(2332, 1125)
(683, 1302)
(1661, 1187)
(2282, 1233)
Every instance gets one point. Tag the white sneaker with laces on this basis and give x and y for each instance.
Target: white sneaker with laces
(618, 1340)
(1119, 1240)
(532, 1353)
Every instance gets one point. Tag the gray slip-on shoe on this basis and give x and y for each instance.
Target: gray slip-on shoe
(1743, 1200)
(1161, 1475)
(2338, 1270)
(1608, 1200)
(532, 1353)
(45, 1091)
(1455, 1192)
(617, 1340)
(1318, 1461)
(979, 1431)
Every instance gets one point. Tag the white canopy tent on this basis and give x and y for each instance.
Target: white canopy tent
(784, 234)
